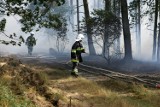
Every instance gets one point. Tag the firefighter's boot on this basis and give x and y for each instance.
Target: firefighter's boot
(74, 72)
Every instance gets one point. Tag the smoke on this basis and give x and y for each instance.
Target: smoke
(146, 43)
(13, 26)
(48, 40)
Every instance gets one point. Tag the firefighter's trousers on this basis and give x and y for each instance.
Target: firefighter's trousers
(30, 49)
(75, 67)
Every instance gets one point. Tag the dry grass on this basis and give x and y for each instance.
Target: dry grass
(46, 86)
(86, 93)
(20, 79)
(8, 98)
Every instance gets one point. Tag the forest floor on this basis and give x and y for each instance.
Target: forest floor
(46, 82)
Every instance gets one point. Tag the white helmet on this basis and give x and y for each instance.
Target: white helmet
(32, 33)
(80, 37)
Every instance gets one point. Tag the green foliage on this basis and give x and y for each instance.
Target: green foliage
(102, 21)
(2, 24)
(8, 99)
(62, 29)
(60, 2)
(139, 90)
(133, 7)
(147, 8)
(33, 13)
(14, 40)
(62, 39)
(55, 21)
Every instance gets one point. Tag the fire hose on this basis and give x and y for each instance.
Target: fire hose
(114, 75)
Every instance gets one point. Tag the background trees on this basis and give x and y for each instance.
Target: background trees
(88, 26)
(135, 14)
(126, 30)
(33, 13)
(103, 23)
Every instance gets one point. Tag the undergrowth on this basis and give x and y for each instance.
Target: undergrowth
(60, 89)
(9, 99)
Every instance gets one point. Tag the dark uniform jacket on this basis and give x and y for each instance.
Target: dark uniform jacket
(31, 41)
(76, 51)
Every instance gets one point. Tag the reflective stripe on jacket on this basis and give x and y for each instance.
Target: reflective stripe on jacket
(76, 51)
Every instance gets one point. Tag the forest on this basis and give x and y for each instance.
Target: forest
(43, 42)
(110, 25)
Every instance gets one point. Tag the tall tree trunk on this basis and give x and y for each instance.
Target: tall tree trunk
(71, 2)
(106, 35)
(90, 39)
(158, 48)
(126, 30)
(72, 15)
(78, 16)
(138, 28)
(114, 11)
(118, 39)
(116, 5)
(155, 31)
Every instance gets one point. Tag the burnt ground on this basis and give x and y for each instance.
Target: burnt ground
(129, 67)
(149, 71)
(138, 68)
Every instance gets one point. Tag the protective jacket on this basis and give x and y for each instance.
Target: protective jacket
(31, 41)
(76, 51)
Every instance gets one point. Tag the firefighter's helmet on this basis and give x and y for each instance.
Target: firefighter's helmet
(32, 33)
(80, 37)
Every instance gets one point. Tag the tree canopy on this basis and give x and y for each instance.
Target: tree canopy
(33, 13)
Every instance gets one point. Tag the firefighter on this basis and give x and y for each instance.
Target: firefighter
(76, 57)
(30, 42)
